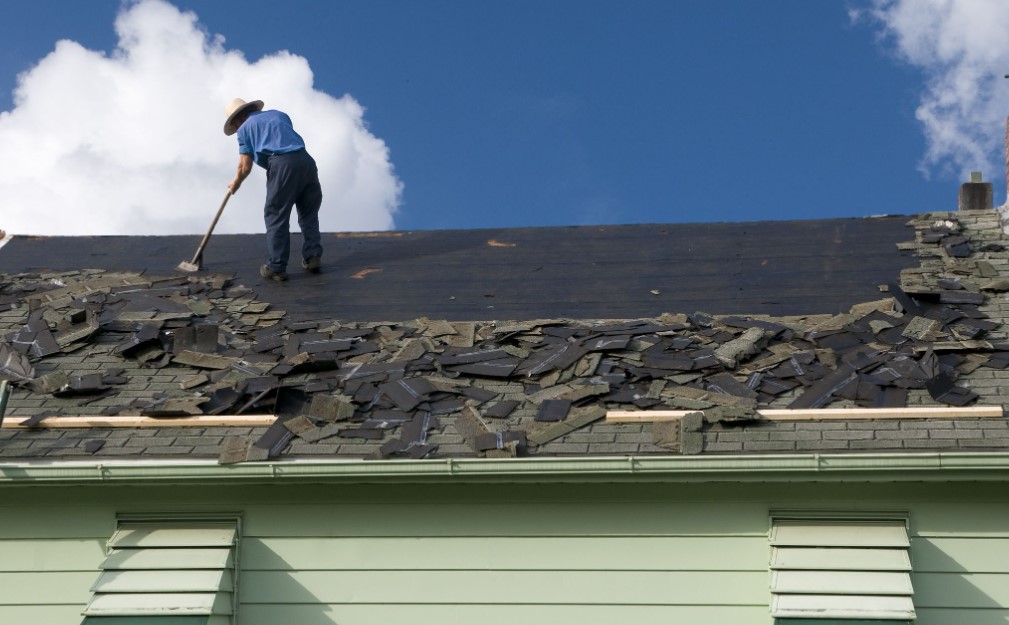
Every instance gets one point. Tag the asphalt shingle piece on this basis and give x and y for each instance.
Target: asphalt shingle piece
(15, 366)
(553, 410)
(407, 393)
(331, 408)
(502, 409)
(201, 338)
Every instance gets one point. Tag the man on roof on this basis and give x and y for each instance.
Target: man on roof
(268, 139)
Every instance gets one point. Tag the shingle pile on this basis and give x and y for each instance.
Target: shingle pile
(505, 387)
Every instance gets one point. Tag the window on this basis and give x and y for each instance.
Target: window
(173, 572)
(840, 571)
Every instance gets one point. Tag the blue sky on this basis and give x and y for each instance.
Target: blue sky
(532, 113)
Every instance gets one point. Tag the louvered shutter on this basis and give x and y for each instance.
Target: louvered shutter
(167, 571)
(841, 570)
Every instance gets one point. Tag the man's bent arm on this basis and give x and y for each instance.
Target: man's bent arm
(244, 169)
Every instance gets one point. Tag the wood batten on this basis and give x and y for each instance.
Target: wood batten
(142, 422)
(816, 414)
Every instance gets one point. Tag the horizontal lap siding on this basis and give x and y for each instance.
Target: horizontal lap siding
(578, 561)
(602, 587)
(500, 614)
(47, 554)
(510, 518)
(988, 554)
(49, 557)
(506, 553)
(50, 613)
(524, 554)
(960, 557)
(49, 520)
(999, 616)
(961, 590)
(508, 562)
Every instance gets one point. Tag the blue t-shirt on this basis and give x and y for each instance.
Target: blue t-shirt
(266, 133)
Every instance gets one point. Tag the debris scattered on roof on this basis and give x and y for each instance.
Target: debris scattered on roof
(505, 387)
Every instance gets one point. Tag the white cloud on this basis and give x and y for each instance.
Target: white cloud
(962, 49)
(131, 142)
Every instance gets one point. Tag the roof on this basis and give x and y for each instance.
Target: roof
(513, 342)
(587, 272)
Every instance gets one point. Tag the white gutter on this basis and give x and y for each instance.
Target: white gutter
(5, 239)
(945, 467)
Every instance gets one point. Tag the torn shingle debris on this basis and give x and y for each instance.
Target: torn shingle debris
(506, 388)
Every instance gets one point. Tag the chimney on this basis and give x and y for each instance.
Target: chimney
(975, 195)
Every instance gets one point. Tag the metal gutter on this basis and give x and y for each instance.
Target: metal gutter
(938, 467)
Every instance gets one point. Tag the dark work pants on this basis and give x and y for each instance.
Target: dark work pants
(292, 181)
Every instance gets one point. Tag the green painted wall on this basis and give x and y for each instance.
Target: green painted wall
(548, 553)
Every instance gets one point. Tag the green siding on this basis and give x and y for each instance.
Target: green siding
(61, 587)
(961, 590)
(507, 553)
(496, 554)
(457, 519)
(978, 555)
(31, 614)
(982, 519)
(491, 587)
(47, 554)
(501, 614)
(51, 520)
(959, 617)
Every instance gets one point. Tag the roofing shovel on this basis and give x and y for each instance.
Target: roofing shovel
(195, 265)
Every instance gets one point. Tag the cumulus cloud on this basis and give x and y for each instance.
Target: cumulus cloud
(962, 49)
(130, 142)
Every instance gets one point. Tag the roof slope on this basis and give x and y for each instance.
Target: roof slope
(589, 272)
(104, 343)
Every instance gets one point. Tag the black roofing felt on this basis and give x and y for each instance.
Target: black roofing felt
(586, 272)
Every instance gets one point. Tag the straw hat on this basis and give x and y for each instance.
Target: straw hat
(237, 106)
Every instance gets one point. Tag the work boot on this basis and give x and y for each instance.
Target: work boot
(279, 276)
(312, 263)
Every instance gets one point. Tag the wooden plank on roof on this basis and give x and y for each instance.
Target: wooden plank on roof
(644, 416)
(920, 412)
(814, 414)
(143, 422)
